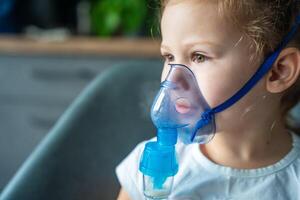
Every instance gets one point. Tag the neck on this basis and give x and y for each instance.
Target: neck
(246, 148)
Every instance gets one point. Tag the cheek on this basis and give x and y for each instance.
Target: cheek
(219, 85)
(216, 91)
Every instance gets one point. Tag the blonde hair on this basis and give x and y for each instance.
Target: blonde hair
(265, 23)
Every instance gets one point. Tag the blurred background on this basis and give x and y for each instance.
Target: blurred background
(50, 50)
(128, 18)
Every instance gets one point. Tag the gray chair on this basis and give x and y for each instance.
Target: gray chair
(77, 158)
(295, 118)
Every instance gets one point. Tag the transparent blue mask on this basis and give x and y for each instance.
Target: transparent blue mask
(180, 105)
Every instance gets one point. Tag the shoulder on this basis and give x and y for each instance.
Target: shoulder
(128, 172)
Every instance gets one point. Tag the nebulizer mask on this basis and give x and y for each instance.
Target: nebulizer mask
(180, 111)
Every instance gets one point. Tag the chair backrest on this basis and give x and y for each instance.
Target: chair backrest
(77, 158)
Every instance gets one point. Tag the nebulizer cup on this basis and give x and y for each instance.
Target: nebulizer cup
(159, 165)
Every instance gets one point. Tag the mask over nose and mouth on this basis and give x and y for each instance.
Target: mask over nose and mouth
(180, 105)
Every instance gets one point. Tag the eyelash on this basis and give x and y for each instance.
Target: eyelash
(170, 57)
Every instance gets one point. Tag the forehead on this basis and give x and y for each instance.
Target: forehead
(189, 20)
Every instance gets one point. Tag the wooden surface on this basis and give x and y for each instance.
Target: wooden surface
(81, 45)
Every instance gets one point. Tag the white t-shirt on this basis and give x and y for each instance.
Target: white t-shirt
(200, 178)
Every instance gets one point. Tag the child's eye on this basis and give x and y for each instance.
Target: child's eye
(198, 58)
(168, 57)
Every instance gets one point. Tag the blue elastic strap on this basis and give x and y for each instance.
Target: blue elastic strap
(263, 69)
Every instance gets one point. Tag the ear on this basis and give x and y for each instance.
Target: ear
(285, 71)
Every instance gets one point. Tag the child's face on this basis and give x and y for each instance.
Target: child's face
(194, 34)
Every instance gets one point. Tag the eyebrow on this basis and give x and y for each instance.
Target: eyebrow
(164, 46)
(191, 44)
(207, 43)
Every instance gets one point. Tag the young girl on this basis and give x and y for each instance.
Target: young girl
(255, 153)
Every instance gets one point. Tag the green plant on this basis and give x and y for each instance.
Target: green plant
(118, 17)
